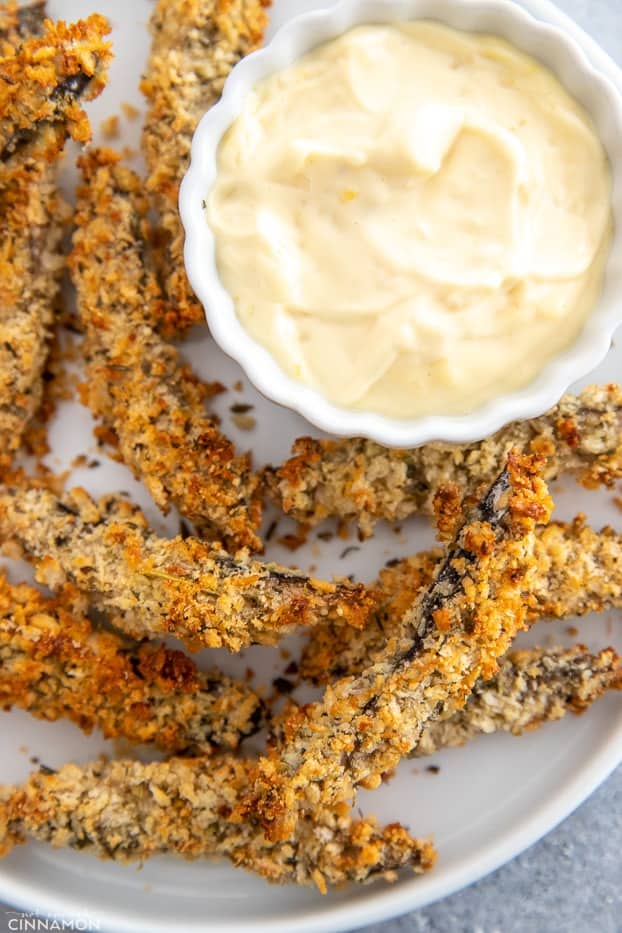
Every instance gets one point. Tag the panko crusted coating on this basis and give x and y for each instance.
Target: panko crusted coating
(531, 687)
(55, 664)
(135, 381)
(10, 32)
(578, 571)
(151, 586)
(42, 80)
(33, 216)
(420, 650)
(64, 65)
(127, 811)
(20, 21)
(357, 479)
(195, 45)
(41, 206)
(452, 635)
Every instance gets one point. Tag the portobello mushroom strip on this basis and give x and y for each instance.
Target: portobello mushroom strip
(578, 571)
(135, 381)
(195, 45)
(357, 479)
(532, 686)
(55, 664)
(127, 811)
(42, 81)
(450, 637)
(150, 586)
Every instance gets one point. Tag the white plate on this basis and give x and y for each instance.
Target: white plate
(490, 799)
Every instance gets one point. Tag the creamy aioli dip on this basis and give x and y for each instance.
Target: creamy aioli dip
(411, 219)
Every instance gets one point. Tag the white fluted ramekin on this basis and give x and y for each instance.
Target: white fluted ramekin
(584, 78)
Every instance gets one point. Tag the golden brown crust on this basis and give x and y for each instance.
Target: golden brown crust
(196, 43)
(359, 480)
(151, 586)
(127, 810)
(450, 637)
(33, 215)
(531, 687)
(33, 219)
(577, 571)
(54, 664)
(285, 817)
(37, 114)
(67, 63)
(9, 25)
(136, 381)
(331, 651)
(19, 22)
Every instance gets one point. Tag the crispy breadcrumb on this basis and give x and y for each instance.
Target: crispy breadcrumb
(359, 480)
(40, 86)
(531, 687)
(151, 586)
(110, 127)
(130, 111)
(41, 82)
(450, 637)
(578, 571)
(33, 216)
(135, 381)
(54, 664)
(128, 811)
(9, 26)
(18, 22)
(195, 45)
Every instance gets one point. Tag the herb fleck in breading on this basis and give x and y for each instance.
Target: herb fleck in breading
(135, 381)
(151, 586)
(42, 80)
(54, 664)
(358, 479)
(195, 45)
(127, 810)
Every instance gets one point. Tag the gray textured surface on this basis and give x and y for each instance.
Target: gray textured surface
(571, 881)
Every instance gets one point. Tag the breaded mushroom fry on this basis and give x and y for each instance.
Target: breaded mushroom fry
(41, 84)
(63, 66)
(578, 571)
(357, 479)
(54, 664)
(151, 586)
(531, 687)
(451, 636)
(127, 810)
(196, 43)
(135, 381)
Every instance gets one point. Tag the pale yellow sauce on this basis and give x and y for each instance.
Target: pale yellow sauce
(411, 219)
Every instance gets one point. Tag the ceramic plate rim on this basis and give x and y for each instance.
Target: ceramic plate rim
(410, 894)
(392, 902)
